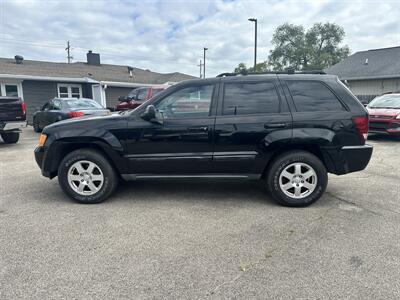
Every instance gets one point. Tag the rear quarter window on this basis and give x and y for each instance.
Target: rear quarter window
(310, 96)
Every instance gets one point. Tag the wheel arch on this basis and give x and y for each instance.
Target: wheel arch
(320, 153)
(61, 148)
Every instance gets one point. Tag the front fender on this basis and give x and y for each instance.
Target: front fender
(59, 145)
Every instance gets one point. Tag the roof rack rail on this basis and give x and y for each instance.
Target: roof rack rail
(289, 71)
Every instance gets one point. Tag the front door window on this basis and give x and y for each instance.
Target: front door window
(190, 102)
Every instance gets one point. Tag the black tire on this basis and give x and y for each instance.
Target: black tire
(110, 178)
(10, 137)
(285, 160)
(36, 127)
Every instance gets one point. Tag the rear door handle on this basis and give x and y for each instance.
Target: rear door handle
(274, 125)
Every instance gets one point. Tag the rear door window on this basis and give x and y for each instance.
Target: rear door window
(309, 96)
(245, 98)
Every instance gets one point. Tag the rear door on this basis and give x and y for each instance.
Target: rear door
(253, 120)
(319, 115)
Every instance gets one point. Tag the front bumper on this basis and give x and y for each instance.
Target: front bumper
(39, 157)
(388, 126)
(12, 125)
(351, 158)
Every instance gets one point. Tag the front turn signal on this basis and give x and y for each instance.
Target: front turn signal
(42, 140)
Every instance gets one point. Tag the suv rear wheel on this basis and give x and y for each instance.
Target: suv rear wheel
(297, 178)
(86, 176)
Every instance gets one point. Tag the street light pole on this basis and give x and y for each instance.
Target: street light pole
(204, 61)
(255, 41)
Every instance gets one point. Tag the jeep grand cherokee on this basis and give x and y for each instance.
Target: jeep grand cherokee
(288, 130)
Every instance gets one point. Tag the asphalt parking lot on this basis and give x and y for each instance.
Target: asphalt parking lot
(199, 239)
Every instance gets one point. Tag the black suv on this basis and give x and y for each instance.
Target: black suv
(289, 130)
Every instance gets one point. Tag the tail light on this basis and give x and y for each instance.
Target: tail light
(361, 124)
(75, 114)
(23, 107)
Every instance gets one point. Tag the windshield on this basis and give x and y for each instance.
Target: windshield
(385, 101)
(79, 103)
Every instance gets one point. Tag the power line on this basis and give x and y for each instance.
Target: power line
(106, 53)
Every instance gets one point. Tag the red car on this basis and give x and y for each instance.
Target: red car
(136, 97)
(384, 114)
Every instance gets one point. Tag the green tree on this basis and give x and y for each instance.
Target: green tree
(241, 68)
(317, 48)
(260, 67)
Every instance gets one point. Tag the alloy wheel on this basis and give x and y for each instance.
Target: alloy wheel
(298, 180)
(85, 177)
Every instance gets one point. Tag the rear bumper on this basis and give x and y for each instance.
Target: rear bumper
(12, 125)
(351, 159)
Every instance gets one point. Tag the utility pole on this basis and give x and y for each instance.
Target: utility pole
(255, 42)
(68, 49)
(200, 65)
(204, 61)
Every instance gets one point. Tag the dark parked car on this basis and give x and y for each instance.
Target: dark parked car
(288, 130)
(59, 109)
(136, 97)
(384, 114)
(12, 118)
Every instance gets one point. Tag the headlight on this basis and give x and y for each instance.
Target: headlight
(398, 117)
(42, 140)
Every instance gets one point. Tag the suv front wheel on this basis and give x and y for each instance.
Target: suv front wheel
(297, 178)
(86, 176)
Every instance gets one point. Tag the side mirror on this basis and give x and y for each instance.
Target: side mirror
(150, 113)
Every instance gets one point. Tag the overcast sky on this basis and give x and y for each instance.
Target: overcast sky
(169, 36)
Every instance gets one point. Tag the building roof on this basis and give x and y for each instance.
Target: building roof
(370, 64)
(103, 72)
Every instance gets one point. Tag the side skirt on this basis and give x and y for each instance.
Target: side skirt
(184, 176)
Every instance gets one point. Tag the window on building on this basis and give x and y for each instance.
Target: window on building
(63, 92)
(243, 98)
(11, 90)
(75, 92)
(69, 91)
(309, 96)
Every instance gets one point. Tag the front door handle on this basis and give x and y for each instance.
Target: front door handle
(274, 125)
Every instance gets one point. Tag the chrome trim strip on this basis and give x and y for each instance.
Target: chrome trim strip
(233, 153)
(171, 158)
(356, 147)
(163, 155)
(197, 156)
(234, 157)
